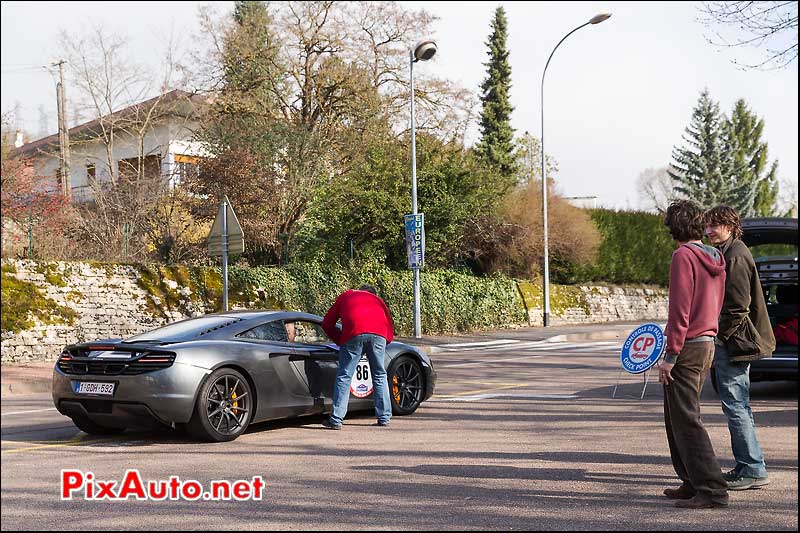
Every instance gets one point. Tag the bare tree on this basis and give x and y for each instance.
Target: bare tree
(655, 187)
(111, 89)
(772, 25)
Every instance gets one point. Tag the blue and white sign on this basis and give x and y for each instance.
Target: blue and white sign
(642, 348)
(415, 240)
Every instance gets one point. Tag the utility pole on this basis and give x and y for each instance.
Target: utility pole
(63, 131)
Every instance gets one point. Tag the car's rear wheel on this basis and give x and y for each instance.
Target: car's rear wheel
(223, 408)
(406, 385)
(93, 428)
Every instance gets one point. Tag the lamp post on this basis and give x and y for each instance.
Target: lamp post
(597, 19)
(423, 51)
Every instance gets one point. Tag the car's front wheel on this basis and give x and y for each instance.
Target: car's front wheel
(223, 408)
(406, 385)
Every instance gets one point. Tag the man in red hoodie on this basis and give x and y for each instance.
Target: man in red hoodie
(696, 290)
(366, 327)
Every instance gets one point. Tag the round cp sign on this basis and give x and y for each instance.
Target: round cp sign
(642, 348)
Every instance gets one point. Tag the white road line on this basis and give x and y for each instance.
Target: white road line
(477, 397)
(498, 348)
(489, 361)
(486, 343)
(26, 412)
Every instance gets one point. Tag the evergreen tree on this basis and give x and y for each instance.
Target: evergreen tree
(497, 136)
(706, 171)
(751, 158)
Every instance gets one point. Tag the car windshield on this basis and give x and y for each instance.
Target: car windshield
(184, 330)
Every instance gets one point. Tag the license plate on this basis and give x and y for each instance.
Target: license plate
(90, 387)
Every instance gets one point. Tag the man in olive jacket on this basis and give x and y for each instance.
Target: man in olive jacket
(745, 334)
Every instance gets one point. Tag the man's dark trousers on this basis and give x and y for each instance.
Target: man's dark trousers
(689, 444)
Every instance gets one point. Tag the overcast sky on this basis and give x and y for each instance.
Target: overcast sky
(618, 95)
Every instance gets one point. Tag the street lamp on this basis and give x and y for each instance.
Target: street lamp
(597, 19)
(423, 51)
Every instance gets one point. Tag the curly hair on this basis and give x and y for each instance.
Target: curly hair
(684, 219)
(722, 215)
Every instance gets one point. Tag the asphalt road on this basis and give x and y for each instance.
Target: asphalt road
(520, 435)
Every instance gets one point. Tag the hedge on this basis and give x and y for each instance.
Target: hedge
(636, 248)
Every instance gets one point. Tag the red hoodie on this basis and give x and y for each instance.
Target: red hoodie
(361, 312)
(696, 290)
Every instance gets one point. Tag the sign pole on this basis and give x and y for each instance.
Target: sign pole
(225, 254)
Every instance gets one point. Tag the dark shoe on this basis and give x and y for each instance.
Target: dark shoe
(382, 423)
(701, 501)
(744, 483)
(683, 492)
(730, 475)
(327, 424)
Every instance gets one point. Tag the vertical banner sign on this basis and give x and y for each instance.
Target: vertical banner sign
(642, 348)
(415, 240)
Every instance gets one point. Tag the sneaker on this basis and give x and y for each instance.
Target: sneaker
(730, 475)
(744, 483)
(701, 501)
(327, 424)
(684, 492)
(382, 423)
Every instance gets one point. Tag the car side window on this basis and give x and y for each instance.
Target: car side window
(306, 332)
(270, 331)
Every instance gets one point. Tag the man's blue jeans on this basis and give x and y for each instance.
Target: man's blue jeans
(349, 355)
(733, 382)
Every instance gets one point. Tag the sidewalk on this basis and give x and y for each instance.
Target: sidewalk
(36, 377)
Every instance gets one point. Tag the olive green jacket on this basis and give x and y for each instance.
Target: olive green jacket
(744, 324)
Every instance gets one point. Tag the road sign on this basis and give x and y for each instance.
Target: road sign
(415, 240)
(642, 348)
(234, 230)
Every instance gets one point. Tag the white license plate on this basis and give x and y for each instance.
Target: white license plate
(90, 387)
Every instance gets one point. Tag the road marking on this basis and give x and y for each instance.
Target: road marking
(472, 392)
(26, 412)
(72, 442)
(477, 397)
(477, 344)
(489, 361)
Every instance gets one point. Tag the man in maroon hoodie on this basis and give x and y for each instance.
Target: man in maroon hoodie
(366, 327)
(696, 290)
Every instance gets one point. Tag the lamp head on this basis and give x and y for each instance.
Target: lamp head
(597, 19)
(424, 50)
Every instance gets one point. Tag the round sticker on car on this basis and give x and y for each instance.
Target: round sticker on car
(642, 348)
(361, 386)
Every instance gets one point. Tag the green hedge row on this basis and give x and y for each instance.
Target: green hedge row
(636, 248)
(450, 300)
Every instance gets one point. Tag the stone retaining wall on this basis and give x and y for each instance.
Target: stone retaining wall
(109, 303)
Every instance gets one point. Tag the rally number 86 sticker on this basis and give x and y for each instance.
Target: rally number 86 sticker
(361, 386)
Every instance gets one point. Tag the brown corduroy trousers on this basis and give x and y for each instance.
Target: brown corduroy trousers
(689, 444)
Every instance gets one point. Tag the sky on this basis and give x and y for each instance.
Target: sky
(618, 95)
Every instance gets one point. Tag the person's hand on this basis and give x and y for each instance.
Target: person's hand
(665, 373)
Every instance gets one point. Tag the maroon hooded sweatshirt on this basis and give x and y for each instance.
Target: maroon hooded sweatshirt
(696, 291)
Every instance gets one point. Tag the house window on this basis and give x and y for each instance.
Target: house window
(91, 174)
(130, 170)
(186, 167)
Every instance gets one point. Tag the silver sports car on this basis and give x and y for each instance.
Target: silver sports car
(217, 373)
